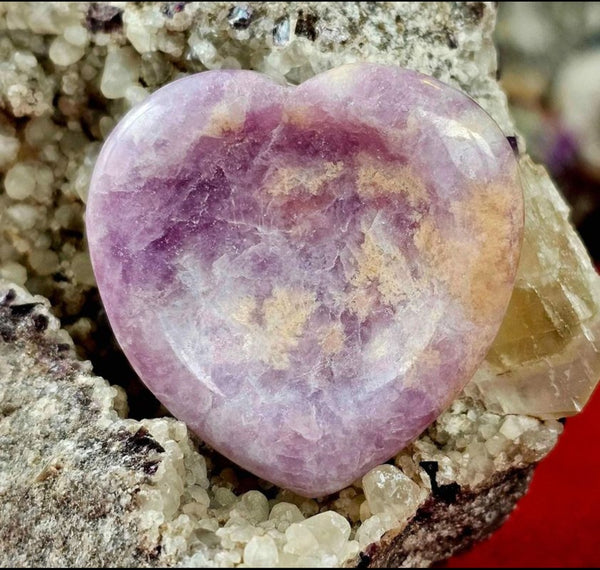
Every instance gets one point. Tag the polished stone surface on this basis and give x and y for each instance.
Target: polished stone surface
(306, 275)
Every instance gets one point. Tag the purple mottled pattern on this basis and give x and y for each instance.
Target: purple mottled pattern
(307, 276)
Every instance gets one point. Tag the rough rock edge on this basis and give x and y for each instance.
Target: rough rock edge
(442, 528)
(56, 458)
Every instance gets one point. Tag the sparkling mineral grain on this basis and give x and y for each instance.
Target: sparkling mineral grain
(306, 275)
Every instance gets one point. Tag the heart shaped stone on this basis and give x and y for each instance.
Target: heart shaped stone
(307, 276)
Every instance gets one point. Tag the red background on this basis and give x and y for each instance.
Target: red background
(557, 523)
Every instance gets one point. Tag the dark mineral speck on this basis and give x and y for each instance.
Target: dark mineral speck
(306, 26)
(169, 9)
(475, 10)
(512, 141)
(141, 440)
(239, 17)
(150, 467)
(102, 17)
(23, 309)
(7, 333)
(9, 297)
(445, 493)
(40, 322)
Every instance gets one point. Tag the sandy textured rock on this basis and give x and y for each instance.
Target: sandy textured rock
(70, 469)
(61, 455)
(446, 524)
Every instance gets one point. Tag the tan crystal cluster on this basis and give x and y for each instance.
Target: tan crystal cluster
(545, 361)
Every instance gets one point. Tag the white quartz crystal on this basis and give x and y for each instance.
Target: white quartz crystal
(330, 529)
(389, 490)
(284, 514)
(261, 552)
(9, 148)
(76, 35)
(375, 527)
(19, 182)
(13, 271)
(23, 215)
(64, 53)
(121, 71)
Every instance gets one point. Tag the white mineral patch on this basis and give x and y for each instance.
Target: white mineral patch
(64, 53)
(23, 215)
(121, 71)
(14, 272)
(261, 552)
(388, 490)
(19, 181)
(9, 148)
(76, 35)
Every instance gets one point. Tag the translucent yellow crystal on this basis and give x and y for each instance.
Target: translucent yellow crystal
(545, 360)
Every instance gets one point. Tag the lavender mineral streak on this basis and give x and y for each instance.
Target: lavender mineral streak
(307, 276)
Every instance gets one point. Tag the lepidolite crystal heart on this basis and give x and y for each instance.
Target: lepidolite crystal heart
(308, 275)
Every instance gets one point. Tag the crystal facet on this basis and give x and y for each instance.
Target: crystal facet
(307, 276)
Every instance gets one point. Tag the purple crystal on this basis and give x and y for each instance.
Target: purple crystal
(307, 276)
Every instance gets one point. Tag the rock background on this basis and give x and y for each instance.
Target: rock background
(549, 55)
(81, 484)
